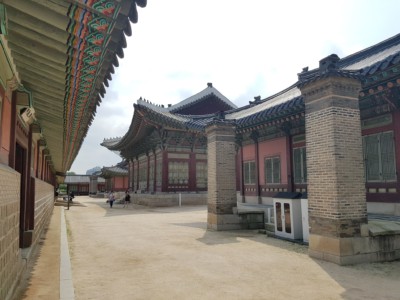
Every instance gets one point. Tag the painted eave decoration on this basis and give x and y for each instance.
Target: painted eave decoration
(64, 52)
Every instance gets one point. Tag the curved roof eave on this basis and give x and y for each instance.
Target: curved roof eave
(65, 52)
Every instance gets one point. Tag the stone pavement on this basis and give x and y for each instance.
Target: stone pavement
(50, 276)
(167, 253)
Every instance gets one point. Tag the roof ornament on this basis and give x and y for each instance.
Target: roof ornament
(329, 63)
(209, 84)
(257, 100)
(305, 69)
(328, 66)
(221, 115)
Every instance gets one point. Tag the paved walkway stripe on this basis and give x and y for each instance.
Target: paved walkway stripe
(66, 284)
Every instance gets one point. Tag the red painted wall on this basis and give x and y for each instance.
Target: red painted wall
(275, 147)
(120, 183)
(5, 131)
(249, 152)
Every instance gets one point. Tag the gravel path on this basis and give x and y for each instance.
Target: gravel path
(167, 253)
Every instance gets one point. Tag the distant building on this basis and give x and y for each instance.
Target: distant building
(93, 170)
(116, 177)
(83, 184)
(164, 154)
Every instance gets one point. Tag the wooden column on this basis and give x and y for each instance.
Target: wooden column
(11, 158)
(254, 136)
(155, 171)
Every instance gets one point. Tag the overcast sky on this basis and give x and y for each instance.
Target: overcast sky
(245, 48)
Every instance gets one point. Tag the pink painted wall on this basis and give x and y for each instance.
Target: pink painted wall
(275, 147)
(249, 152)
(5, 131)
(120, 183)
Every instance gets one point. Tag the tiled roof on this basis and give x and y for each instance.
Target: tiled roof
(371, 55)
(275, 100)
(210, 90)
(115, 170)
(111, 141)
(63, 53)
(288, 101)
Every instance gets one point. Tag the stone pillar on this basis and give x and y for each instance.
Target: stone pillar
(336, 186)
(221, 176)
(93, 185)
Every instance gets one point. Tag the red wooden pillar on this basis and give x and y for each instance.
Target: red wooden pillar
(37, 159)
(43, 165)
(254, 137)
(241, 175)
(164, 185)
(192, 171)
(11, 158)
(130, 175)
(155, 171)
(396, 134)
(30, 209)
(138, 173)
(289, 166)
(148, 172)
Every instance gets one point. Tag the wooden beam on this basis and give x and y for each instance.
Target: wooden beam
(40, 12)
(39, 26)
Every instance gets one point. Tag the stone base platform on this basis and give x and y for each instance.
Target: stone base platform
(379, 242)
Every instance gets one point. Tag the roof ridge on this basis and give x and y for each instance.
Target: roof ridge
(210, 89)
(366, 52)
(148, 103)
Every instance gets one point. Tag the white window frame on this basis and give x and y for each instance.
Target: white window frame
(376, 158)
(249, 172)
(302, 164)
(273, 170)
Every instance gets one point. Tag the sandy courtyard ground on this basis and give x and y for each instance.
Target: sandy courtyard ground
(167, 253)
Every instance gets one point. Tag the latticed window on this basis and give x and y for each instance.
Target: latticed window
(143, 174)
(151, 174)
(159, 171)
(300, 165)
(272, 170)
(135, 177)
(249, 172)
(178, 172)
(379, 155)
(201, 174)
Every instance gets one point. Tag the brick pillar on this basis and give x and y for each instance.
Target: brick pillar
(221, 176)
(336, 186)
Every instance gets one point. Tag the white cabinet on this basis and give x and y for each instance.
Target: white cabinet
(304, 219)
(288, 217)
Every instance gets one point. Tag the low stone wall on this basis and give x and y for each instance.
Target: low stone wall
(13, 260)
(44, 204)
(169, 199)
(10, 254)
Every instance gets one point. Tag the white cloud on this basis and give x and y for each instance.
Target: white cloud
(245, 48)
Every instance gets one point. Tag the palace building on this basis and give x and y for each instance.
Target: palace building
(164, 154)
(167, 146)
(330, 138)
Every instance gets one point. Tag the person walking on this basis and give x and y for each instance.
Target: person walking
(111, 198)
(127, 199)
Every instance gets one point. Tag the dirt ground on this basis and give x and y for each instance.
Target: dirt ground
(167, 253)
